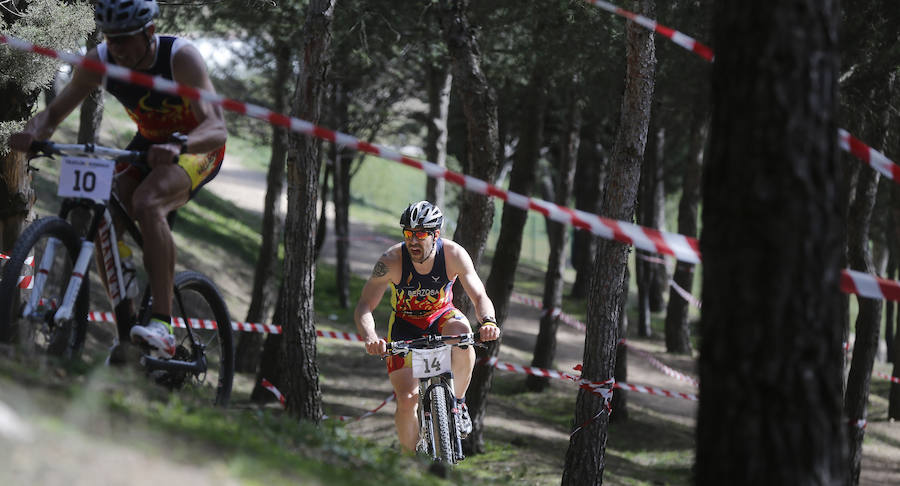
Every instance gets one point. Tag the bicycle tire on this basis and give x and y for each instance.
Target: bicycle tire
(440, 415)
(40, 332)
(196, 297)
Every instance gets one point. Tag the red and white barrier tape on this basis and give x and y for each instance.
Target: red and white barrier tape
(866, 285)
(685, 294)
(679, 246)
(847, 142)
(269, 386)
(682, 40)
(557, 312)
(890, 378)
(655, 391)
(343, 418)
(682, 247)
(25, 281)
(867, 154)
(661, 366)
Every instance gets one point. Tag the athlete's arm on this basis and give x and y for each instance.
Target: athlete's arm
(188, 68)
(386, 271)
(42, 125)
(459, 263)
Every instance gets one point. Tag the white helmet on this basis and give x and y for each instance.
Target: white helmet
(422, 214)
(124, 17)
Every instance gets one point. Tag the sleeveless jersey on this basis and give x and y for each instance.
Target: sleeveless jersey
(158, 115)
(419, 298)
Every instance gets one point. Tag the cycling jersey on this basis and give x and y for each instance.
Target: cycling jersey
(158, 115)
(421, 304)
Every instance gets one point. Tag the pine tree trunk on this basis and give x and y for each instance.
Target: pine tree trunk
(476, 214)
(500, 283)
(678, 332)
(298, 348)
(558, 234)
(16, 193)
(249, 347)
(619, 402)
(586, 455)
(894, 396)
(770, 360)
(439, 81)
(91, 114)
(590, 178)
(868, 320)
(341, 160)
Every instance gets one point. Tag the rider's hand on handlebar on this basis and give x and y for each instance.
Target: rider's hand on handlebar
(376, 346)
(162, 154)
(21, 141)
(488, 332)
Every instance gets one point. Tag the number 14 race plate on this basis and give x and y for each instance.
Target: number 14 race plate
(87, 178)
(430, 362)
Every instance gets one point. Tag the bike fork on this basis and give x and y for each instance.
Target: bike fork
(65, 310)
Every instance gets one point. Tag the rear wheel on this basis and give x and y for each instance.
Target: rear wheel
(56, 241)
(197, 301)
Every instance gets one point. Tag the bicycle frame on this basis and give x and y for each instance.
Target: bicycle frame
(102, 229)
(427, 386)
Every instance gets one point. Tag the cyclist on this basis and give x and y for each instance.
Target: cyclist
(169, 127)
(421, 271)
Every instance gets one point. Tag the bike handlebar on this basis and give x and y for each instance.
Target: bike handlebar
(434, 341)
(47, 148)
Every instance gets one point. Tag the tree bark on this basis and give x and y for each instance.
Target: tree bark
(586, 455)
(247, 353)
(894, 396)
(476, 214)
(677, 327)
(558, 234)
(770, 361)
(590, 179)
(619, 400)
(91, 113)
(298, 348)
(341, 159)
(438, 83)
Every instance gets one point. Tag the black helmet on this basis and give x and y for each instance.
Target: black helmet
(422, 214)
(124, 16)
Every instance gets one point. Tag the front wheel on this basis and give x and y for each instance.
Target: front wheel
(53, 244)
(441, 418)
(197, 303)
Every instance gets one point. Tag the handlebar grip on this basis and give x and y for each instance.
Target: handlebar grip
(42, 147)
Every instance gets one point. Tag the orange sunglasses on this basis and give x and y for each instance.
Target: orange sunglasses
(421, 235)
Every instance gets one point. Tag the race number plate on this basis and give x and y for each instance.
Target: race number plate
(87, 178)
(430, 362)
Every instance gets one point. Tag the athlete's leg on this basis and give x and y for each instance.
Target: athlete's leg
(407, 390)
(165, 189)
(462, 360)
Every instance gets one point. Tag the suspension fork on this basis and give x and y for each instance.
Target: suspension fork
(102, 227)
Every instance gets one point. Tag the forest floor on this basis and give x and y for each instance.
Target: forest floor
(668, 421)
(527, 433)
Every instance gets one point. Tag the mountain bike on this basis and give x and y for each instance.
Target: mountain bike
(437, 411)
(49, 315)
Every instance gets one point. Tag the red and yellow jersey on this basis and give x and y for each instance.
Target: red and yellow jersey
(420, 299)
(158, 115)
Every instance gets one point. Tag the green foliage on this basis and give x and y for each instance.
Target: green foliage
(52, 23)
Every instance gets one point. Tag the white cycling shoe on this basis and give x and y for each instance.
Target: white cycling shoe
(156, 335)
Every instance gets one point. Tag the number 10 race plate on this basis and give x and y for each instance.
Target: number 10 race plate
(87, 178)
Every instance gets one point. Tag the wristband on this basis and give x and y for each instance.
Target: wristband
(489, 321)
(180, 139)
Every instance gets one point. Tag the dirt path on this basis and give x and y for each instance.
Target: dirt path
(356, 384)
